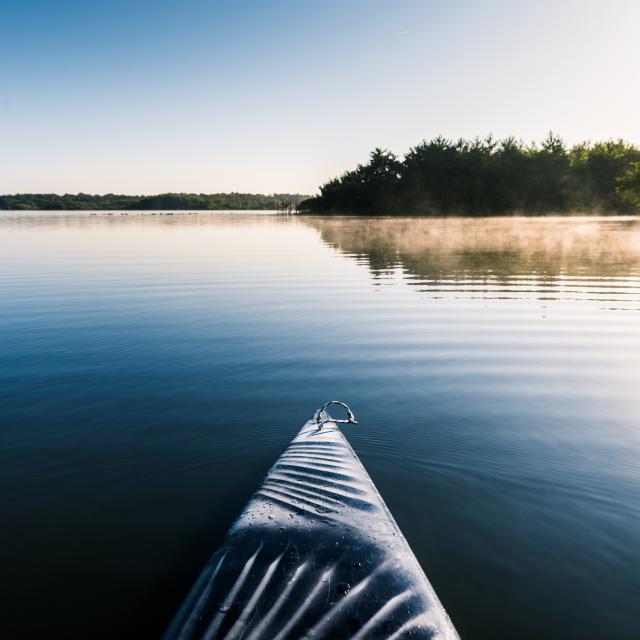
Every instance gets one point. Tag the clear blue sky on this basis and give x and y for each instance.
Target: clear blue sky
(165, 95)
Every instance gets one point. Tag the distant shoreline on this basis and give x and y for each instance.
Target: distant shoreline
(165, 201)
(151, 212)
(332, 214)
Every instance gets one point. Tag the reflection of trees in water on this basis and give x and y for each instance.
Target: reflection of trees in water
(150, 219)
(435, 248)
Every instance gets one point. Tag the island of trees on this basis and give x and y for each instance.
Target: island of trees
(171, 201)
(488, 177)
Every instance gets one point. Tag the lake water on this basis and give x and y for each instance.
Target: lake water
(152, 367)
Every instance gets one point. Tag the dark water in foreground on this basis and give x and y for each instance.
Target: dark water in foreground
(153, 367)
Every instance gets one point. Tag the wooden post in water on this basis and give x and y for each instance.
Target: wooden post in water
(284, 207)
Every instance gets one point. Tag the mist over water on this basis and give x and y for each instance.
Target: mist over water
(152, 367)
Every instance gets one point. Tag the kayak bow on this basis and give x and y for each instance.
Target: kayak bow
(315, 554)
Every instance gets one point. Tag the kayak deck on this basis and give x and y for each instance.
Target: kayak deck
(315, 554)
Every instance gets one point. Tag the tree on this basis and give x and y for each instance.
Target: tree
(628, 185)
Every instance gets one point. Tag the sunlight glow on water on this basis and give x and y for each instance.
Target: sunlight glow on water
(152, 368)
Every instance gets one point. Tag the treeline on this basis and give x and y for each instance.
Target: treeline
(488, 176)
(178, 201)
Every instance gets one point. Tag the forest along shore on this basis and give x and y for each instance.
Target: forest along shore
(488, 177)
(171, 201)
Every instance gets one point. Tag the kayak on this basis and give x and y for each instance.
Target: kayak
(314, 554)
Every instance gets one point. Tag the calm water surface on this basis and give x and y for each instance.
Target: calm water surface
(152, 368)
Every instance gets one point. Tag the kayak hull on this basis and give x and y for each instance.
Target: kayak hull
(315, 554)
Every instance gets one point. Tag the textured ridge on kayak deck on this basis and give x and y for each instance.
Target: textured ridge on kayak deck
(314, 554)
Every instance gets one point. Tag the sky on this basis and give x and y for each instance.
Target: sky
(152, 96)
